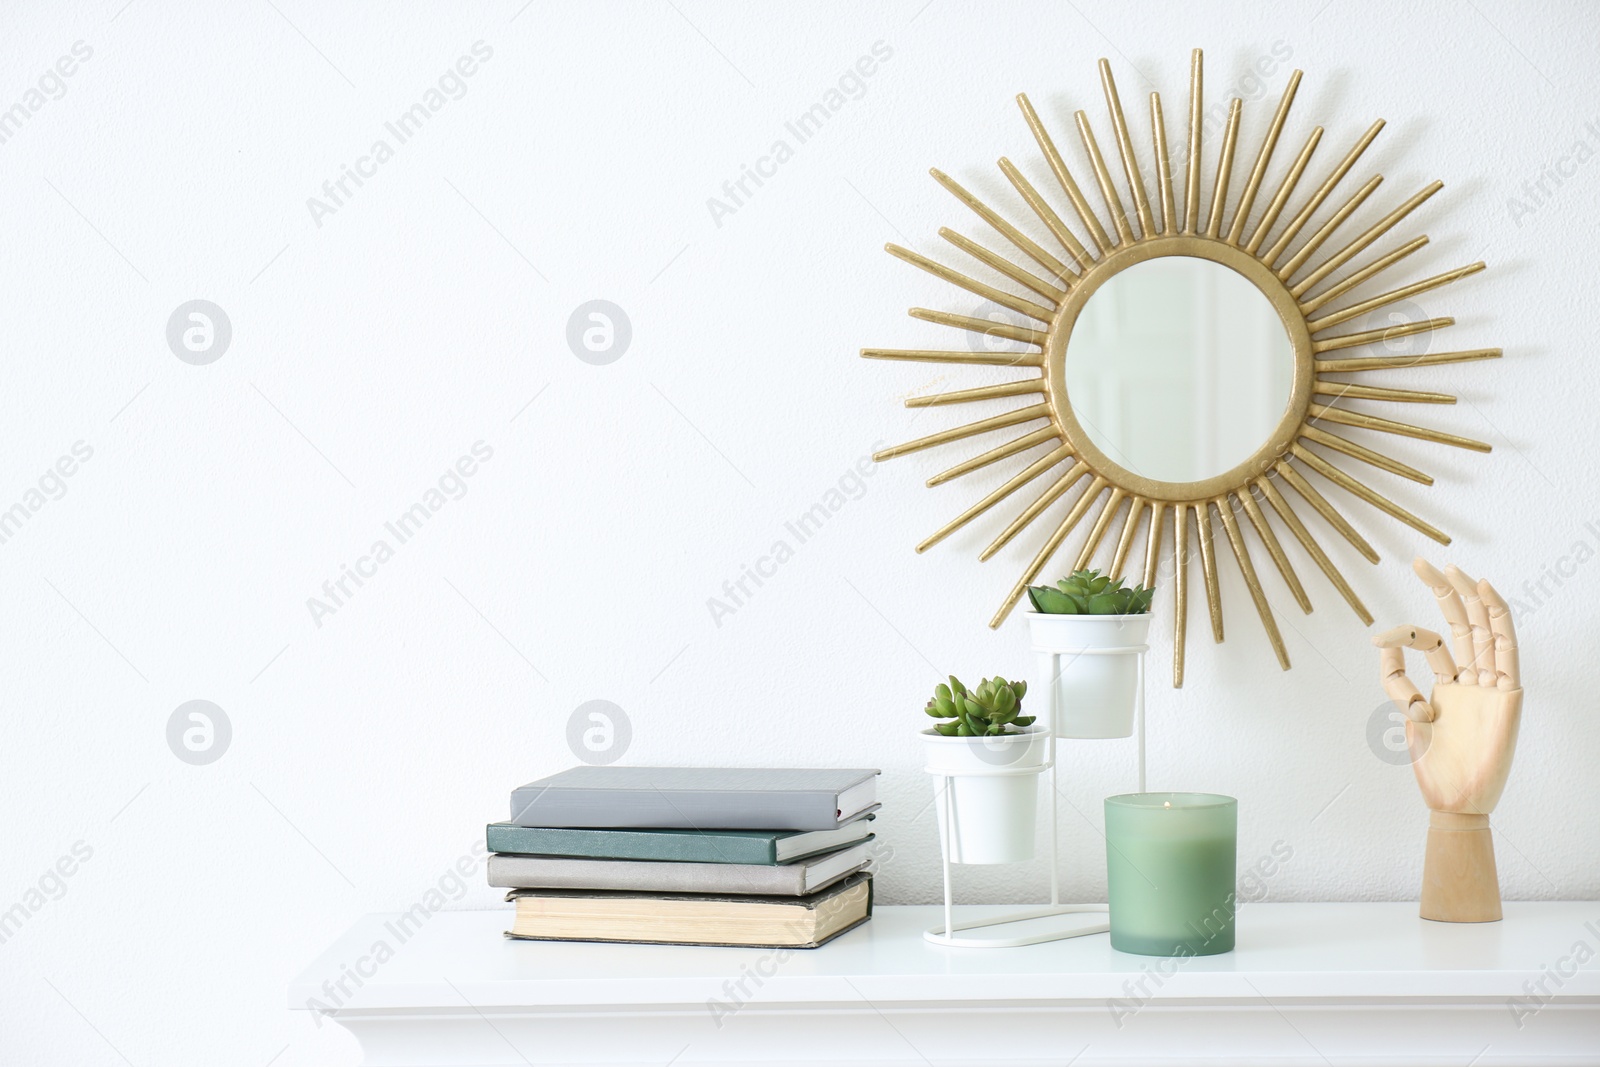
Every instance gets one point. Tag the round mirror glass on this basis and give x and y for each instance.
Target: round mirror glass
(1179, 369)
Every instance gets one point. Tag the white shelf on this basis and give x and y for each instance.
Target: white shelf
(1309, 984)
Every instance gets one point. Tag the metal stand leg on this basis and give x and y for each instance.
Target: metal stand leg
(1140, 712)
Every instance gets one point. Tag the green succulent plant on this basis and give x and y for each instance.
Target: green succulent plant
(1090, 593)
(989, 710)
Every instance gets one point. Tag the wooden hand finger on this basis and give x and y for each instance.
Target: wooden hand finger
(1401, 690)
(1454, 611)
(1507, 666)
(1482, 636)
(1428, 643)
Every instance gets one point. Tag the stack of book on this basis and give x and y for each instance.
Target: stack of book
(698, 856)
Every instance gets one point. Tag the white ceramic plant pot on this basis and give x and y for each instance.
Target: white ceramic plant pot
(993, 793)
(1090, 693)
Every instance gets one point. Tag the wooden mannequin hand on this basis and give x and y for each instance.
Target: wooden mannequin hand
(1463, 735)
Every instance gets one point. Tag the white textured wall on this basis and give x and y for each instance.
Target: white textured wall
(374, 345)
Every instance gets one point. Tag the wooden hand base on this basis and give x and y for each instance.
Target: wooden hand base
(1459, 880)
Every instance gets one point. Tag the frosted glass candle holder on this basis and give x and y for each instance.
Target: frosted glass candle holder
(1171, 862)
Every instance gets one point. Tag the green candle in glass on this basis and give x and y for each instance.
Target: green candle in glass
(1171, 862)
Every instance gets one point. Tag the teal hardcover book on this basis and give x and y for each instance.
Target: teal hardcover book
(768, 847)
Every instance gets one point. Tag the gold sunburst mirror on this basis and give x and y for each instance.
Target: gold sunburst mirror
(1186, 359)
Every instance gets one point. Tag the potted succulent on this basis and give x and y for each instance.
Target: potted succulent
(1075, 625)
(986, 757)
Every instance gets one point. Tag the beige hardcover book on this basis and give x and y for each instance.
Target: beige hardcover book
(692, 918)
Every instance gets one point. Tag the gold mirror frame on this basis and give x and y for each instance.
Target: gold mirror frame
(1282, 270)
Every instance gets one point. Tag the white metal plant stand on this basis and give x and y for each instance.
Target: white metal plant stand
(949, 932)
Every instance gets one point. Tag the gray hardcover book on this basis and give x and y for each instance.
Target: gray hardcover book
(696, 798)
(655, 876)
